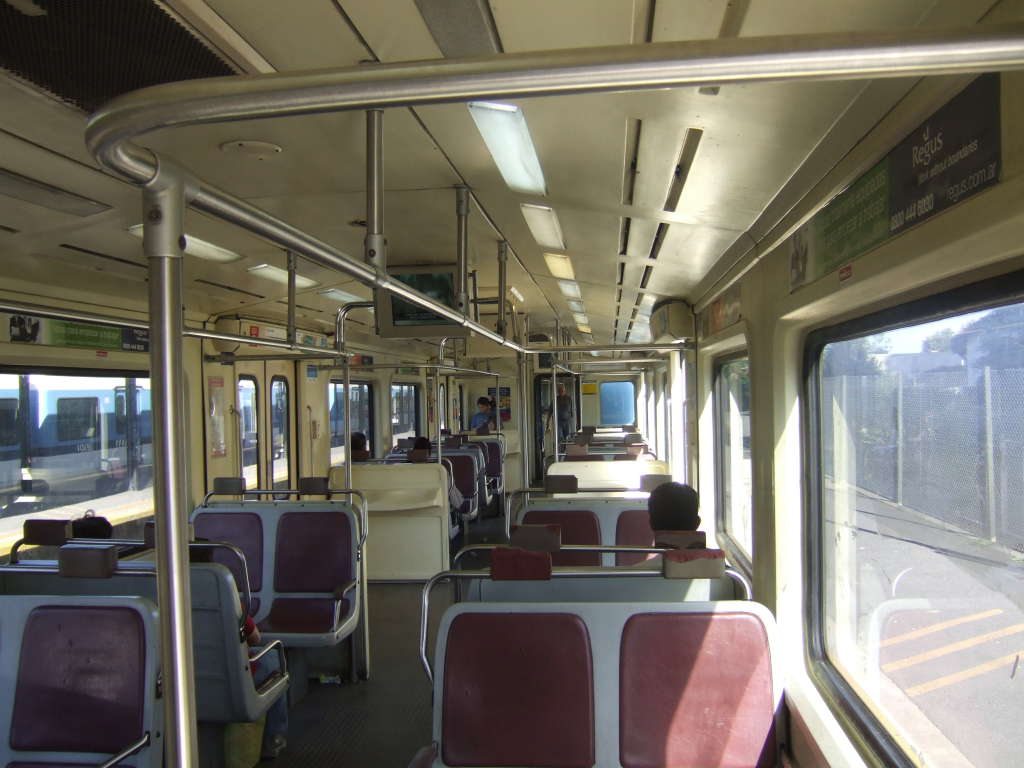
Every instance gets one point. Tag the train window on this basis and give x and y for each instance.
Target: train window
(405, 410)
(65, 448)
(734, 469)
(249, 430)
(280, 433)
(361, 395)
(77, 418)
(920, 449)
(618, 402)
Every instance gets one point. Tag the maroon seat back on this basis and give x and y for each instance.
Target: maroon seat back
(245, 531)
(518, 690)
(695, 689)
(492, 448)
(464, 473)
(579, 526)
(313, 553)
(633, 529)
(81, 680)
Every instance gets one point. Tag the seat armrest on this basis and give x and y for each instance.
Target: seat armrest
(275, 645)
(127, 752)
(345, 588)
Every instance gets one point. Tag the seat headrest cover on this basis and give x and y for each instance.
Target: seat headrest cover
(87, 561)
(46, 533)
(561, 483)
(537, 538)
(229, 486)
(649, 482)
(313, 486)
(681, 539)
(508, 564)
(694, 564)
(419, 455)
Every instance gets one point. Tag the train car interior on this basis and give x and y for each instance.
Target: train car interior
(566, 383)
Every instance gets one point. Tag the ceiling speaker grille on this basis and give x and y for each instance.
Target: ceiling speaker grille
(89, 52)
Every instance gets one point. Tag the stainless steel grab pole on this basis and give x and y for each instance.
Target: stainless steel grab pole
(163, 242)
(502, 286)
(462, 247)
(902, 53)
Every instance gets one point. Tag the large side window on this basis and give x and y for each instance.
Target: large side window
(917, 441)
(405, 410)
(618, 402)
(734, 469)
(70, 443)
(249, 430)
(361, 395)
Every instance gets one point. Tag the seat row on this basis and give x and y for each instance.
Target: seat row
(636, 685)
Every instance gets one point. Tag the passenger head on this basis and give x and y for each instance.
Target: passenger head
(561, 390)
(358, 441)
(673, 507)
(421, 444)
(483, 404)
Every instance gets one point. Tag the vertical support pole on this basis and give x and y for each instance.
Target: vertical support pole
(346, 420)
(554, 388)
(502, 286)
(525, 432)
(497, 404)
(163, 242)
(476, 296)
(437, 412)
(899, 437)
(292, 269)
(375, 246)
(990, 469)
(462, 246)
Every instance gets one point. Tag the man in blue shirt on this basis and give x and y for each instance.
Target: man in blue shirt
(483, 416)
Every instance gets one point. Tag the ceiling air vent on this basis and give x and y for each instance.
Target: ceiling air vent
(86, 53)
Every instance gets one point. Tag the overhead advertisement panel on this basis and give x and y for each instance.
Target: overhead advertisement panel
(952, 155)
(49, 331)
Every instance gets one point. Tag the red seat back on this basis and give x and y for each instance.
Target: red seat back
(518, 690)
(695, 689)
(633, 529)
(314, 552)
(579, 526)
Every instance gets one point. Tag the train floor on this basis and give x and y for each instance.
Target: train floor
(385, 720)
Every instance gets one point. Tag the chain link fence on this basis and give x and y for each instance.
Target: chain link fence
(949, 444)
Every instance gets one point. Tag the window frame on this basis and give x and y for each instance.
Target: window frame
(856, 716)
(723, 536)
(371, 438)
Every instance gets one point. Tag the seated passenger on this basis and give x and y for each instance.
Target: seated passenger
(483, 417)
(672, 508)
(421, 444)
(358, 445)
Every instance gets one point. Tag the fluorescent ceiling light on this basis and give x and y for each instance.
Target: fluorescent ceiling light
(340, 296)
(583, 329)
(47, 196)
(504, 130)
(278, 275)
(515, 292)
(569, 289)
(559, 266)
(543, 223)
(199, 248)
(580, 319)
(576, 306)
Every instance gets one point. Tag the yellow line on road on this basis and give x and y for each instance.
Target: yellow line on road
(939, 627)
(966, 674)
(952, 648)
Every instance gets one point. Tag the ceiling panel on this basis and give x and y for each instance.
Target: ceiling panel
(293, 36)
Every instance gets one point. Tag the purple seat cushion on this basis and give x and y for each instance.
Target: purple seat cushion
(303, 615)
(81, 680)
(314, 552)
(245, 531)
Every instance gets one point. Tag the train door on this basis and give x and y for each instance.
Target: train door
(265, 417)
